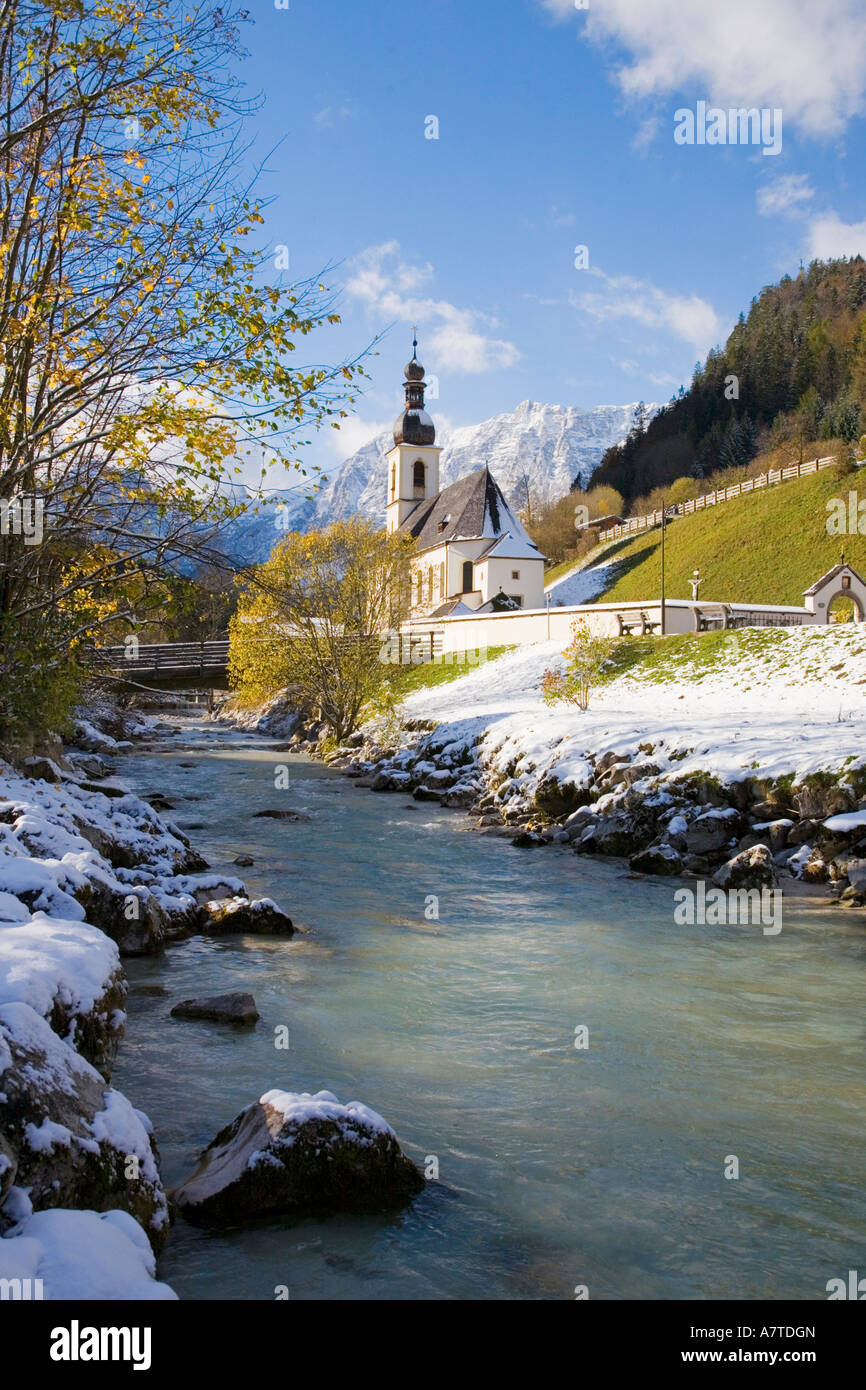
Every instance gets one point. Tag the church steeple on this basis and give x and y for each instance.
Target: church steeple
(414, 426)
(413, 463)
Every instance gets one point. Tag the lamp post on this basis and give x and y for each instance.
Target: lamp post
(664, 517)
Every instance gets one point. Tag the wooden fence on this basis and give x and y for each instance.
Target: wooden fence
(711, 499)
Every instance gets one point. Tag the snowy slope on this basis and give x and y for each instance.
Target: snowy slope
(801, 712)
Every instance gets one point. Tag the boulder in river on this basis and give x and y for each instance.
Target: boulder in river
(751, 868)
(292, 1152)
(286, 814)
(259, 916)
(239, 1007)
(656, 859)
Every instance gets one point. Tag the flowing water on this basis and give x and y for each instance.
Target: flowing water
(558, 1166)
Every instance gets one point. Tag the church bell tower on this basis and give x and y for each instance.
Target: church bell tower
(413, 463)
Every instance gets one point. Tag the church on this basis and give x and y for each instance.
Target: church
(472, 553)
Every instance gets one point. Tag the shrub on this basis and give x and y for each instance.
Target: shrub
(586, 657)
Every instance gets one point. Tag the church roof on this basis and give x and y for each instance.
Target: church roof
(451, 608)
(473, 509)
(831, 574)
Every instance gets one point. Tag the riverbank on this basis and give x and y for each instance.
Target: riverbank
(90, 876)
(741, 763)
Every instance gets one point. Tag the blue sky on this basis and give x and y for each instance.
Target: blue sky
(555, 129)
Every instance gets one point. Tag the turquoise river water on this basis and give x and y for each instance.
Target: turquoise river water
(558, 1166)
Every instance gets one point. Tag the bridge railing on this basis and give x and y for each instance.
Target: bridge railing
(162, 656)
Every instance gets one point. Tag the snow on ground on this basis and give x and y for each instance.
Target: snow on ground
(582, 585)
(787, 701)
(54, 965)
(83, 1255)
(47, 961)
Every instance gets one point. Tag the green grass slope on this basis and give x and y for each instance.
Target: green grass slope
(766, 547)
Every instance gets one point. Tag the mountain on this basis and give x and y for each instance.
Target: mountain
(540, 447)
(792, 372)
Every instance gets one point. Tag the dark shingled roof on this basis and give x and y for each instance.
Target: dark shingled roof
(464, 503)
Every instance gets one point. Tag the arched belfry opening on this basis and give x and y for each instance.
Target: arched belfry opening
(419, 478)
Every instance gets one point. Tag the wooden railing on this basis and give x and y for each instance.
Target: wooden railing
(711, 499)
(164, 658)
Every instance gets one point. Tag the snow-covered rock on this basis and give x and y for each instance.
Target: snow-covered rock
(76, 1141)
(656, 859)
(82, 1255)
(291, 1152)
(751, 868)
(69, 972)
(259, 916)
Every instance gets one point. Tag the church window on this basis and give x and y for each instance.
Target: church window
(418, 478)
(515, 574)
(467, 576)
(393, 480)
(442, 578)
(430, 585)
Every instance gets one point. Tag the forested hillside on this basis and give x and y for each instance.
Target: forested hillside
(792, 370)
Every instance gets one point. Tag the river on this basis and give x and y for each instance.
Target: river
(559, 1167)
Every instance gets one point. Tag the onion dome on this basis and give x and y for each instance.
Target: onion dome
(414, 425)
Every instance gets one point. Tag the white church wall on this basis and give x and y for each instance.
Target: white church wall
(498, 575)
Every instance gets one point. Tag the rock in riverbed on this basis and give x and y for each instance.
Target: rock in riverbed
(292, 1152)
(220, 1008)
(656, 859)
(751, 868)
(261, 917)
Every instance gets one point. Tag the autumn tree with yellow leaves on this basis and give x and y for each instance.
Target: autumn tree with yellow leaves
(310, 620)
(146, 334)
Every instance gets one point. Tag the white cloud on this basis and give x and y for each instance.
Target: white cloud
(685, 316)
(391, 288)
(353, 434)
(786, 194)
(646, 133)
(829, 237)
(330, 115)
(807, 57)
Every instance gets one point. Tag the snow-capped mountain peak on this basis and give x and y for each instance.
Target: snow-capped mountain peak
(535, 449)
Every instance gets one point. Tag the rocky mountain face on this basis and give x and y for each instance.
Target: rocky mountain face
(536, 449)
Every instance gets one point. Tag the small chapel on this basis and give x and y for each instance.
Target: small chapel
(473, 555)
